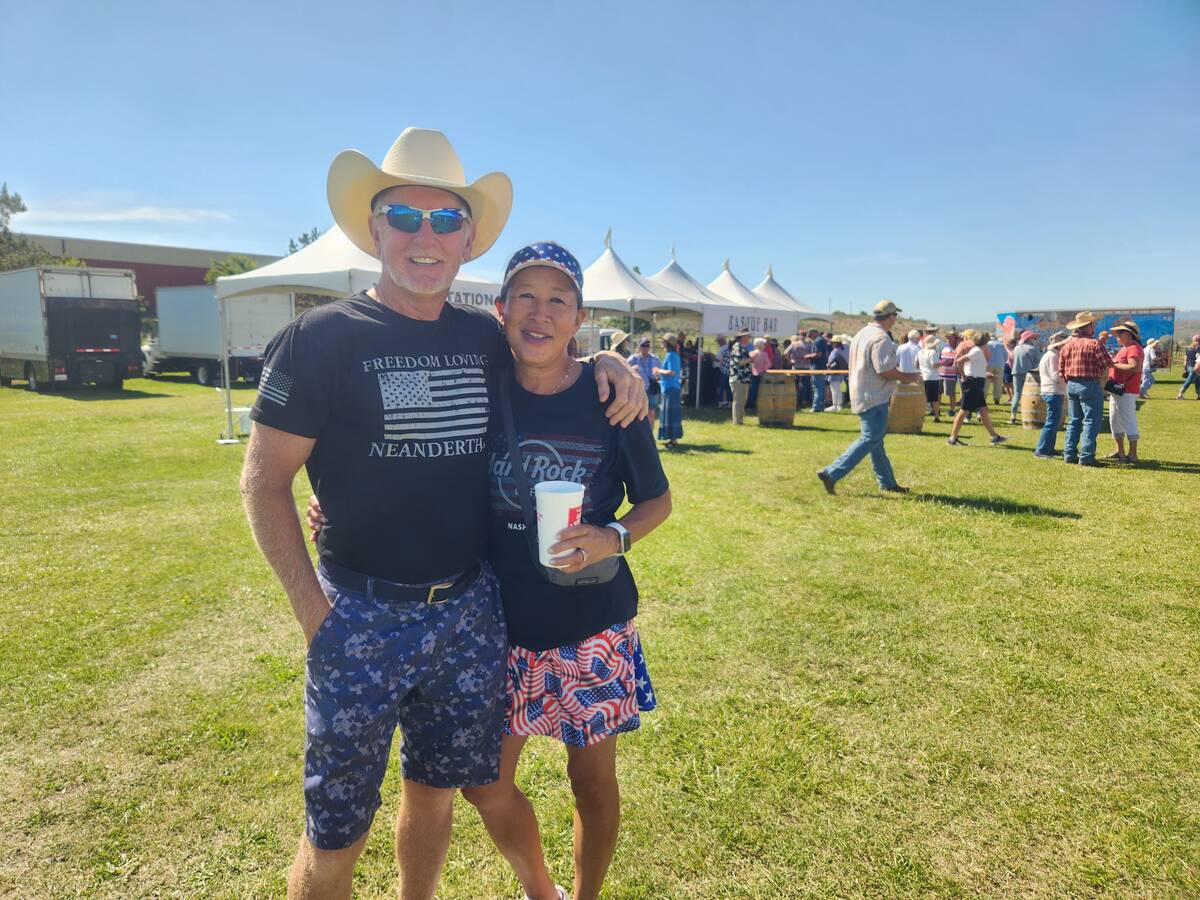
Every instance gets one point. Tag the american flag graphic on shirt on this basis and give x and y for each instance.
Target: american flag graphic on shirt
(432, 405)
(274, 386)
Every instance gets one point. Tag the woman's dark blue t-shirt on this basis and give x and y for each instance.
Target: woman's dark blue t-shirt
(566, 437)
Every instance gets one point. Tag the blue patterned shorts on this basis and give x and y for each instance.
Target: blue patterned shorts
(436, 671)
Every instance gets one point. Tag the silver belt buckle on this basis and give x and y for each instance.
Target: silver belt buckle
(429, 601)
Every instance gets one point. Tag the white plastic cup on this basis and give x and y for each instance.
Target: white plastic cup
(559, 505)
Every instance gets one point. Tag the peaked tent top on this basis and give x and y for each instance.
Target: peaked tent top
(771, 290)
(610, 284)
(674, 277)
(726, 285)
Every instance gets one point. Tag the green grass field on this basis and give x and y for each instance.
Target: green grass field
(986, 688)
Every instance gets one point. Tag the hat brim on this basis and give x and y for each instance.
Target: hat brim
(354, 181)
(1080, 322)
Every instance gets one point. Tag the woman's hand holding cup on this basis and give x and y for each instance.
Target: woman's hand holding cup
(580, 546)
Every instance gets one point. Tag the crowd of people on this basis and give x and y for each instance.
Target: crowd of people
(1073, 373)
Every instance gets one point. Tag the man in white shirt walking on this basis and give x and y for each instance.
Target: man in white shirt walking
(873, 378)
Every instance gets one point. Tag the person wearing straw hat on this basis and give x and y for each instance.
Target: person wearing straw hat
(616, 343)
(1122, 407)
(873, 377)
(1054, 393)
(384, 398)
(1084, 362)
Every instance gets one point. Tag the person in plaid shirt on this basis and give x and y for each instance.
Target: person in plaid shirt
(1084, 363)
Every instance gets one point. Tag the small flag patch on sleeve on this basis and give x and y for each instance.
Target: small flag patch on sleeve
(274, 386)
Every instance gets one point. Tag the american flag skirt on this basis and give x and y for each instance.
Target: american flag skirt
(579, 693)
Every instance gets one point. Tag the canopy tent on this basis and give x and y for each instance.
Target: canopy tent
(715, 310)
(609, 284)
(764, 315)
(771, 290)
(331, 266)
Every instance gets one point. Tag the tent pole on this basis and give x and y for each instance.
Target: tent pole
(653, 330)
(227, 437)
(699, 364)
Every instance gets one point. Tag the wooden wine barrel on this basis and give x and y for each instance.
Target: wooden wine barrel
(1033, 407)
(906, 414)
(777, 400)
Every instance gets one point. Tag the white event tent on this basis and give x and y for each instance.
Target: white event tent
(771, 290)
(718, 314)
(331, 266)
(766, 315)
(610, 285)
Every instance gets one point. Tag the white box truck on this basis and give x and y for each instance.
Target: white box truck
(189, 332)
(68, 326)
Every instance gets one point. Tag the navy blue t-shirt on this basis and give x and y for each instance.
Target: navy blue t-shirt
(399, 409)
(821, 348)
(565, 437)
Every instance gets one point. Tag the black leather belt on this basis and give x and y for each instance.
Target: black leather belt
(381, 588)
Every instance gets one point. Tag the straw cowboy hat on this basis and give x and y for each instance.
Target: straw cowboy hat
(618, 338)
(1130, 327)
(422, 158)
(1082, 319)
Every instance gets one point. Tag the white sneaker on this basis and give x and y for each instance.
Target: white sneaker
(562, 893)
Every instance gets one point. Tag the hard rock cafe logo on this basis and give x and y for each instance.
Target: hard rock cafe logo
(542, 461)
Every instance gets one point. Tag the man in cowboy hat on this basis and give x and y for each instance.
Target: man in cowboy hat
(1084, 363)
(383, 397)
(873, 377)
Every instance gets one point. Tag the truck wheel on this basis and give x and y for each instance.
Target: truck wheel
(5, 382)
(34, 384)
(118, 383)
(204, 375)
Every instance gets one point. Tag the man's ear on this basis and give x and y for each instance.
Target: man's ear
(373, 225)
(469, 243)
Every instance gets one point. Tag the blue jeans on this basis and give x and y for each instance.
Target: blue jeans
(1147, 381)
(873, 428)
(1018, 389)
(1055, 407)
(752, 400)
(818, 388)
(805, 391)
(1085, 406)
(1190, 379)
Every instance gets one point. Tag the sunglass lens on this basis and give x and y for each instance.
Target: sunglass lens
(404, 218)
(445, 221)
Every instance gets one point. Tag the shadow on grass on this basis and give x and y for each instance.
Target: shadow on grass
(997, 505)
(684, 449)
(1166, 466)
(89, 394)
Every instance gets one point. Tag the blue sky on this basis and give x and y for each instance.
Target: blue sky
(960, 158)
